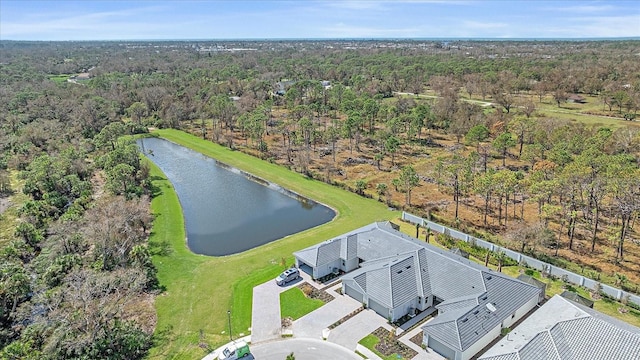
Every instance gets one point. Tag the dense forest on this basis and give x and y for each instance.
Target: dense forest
(531, 144)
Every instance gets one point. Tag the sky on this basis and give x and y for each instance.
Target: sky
(316, 19)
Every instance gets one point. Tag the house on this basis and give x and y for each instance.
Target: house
(570, 295)
(282, 86)
(578, 99)
(533, 281)
(397, 275)
(562, 330)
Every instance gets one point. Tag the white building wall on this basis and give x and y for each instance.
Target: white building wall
(520, 312)
(481, 343)
(326, 269)
(402, 310)
(350, 265)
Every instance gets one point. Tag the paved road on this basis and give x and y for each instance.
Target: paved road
(303, 349)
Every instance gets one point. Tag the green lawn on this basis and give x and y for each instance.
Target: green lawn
(59, 79)
(200, 289)
(294, 304)
(370, 341)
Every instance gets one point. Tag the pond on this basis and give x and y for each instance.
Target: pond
(227, 211)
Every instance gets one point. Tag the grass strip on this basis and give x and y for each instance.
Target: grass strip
(192, 312)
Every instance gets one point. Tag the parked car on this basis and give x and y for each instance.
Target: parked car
(287, 276)
(234, 351)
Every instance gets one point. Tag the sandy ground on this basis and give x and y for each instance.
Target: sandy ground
(4, 204)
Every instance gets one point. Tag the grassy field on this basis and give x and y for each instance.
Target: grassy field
(200, 289)
(59, 79)
(294, 304)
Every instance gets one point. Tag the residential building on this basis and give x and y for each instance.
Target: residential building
(562, 329)
(397, 275)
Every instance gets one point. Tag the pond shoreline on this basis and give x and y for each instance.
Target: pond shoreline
(234, 226)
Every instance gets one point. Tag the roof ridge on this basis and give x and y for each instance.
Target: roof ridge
(553, 340)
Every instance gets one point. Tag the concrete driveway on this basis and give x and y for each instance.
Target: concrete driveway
(312, 324)
(353, 330)
(307, 342)
(265, 316)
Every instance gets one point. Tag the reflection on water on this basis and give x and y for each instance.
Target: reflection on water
(227, 211)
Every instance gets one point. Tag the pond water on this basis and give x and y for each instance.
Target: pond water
(227, 211)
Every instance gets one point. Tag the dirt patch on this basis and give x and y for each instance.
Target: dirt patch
(417, 338)
(313, 293)
(4, 204)
(389, 344)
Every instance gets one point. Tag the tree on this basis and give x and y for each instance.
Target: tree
(291, 357)
(455, 173)
(5, 183)
(114, 227)
(84, 318)
(407, 180)
(381, 189)
(501, 257)
(625, 192)
(361, 185)
(391, 146)
(522, 128)
(502, 143)
(370, 109)
(15, 285)
(484, 186)
(476, 135)
(136, 111)
(560, 96)
(528, 234)
(109, 135)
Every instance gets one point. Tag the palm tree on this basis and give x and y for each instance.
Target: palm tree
(501, 257)
(291, 357)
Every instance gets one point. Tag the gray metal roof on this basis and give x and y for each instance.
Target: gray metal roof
(531, 280)
(575, 297)
(504, 295)
(391, 282)
(320, 254)
(564, 330)
(398, 267)
(541, 347)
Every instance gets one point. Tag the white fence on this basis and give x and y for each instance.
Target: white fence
(531, 262)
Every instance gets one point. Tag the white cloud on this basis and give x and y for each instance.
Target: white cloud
(585, 8)
(92, 25)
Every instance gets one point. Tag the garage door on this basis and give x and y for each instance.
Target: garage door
(379, 308)
(306, 268)
(441, 349)
(353, 293)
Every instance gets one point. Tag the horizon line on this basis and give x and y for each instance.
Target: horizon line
(616, 38)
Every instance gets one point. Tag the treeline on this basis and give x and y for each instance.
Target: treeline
(76, 272)
(79, 261)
